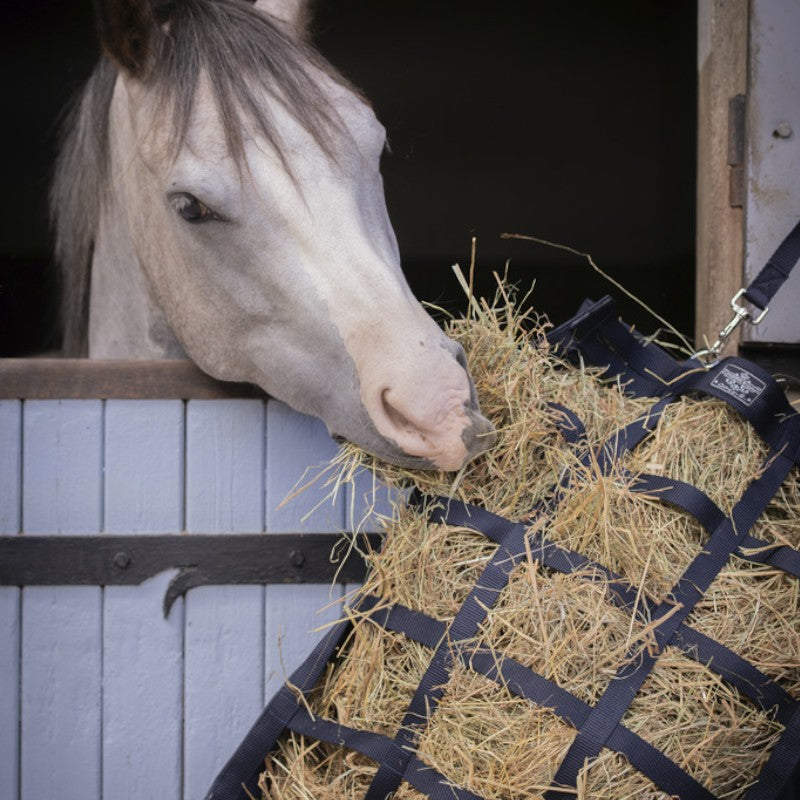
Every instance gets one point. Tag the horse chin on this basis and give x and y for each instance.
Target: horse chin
(477, 436)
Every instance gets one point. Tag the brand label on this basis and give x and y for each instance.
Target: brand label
(738, 383)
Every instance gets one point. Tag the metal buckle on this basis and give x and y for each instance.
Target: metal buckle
(740, 310)
(709, 356)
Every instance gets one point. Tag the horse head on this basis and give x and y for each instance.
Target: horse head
(243, 223)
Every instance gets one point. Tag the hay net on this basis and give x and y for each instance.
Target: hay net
(604, 606)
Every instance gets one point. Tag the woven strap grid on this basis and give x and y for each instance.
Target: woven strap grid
(524, 682)
(505, 671)
(726, 533)
(598, 726)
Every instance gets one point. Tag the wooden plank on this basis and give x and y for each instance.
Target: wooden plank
(144, 466)
(368, 503)
(143, 652)
(722, 74)
(225, 444)
(10, 465)
(61, 692)
(296, 619)
(81, 378)
(224, 650)
(61, 627)
(62, 466)
(10, 515)
(297, 448)
(9, 691)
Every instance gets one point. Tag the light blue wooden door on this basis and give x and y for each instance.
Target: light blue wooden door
(100, 696)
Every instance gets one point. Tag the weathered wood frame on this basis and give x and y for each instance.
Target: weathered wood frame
(722, 60)
(85, 379)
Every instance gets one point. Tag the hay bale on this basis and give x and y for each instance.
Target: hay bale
(481, 736)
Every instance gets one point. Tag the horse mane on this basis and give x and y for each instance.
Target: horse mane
(243, 53)
(75, 200)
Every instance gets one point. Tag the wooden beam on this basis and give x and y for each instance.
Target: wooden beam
(79, 378)
(722, 75)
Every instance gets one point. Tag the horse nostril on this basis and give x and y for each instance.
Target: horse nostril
(461, 359)
(395, 417)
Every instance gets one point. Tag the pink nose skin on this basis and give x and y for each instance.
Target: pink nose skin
(436, 416)
(447, 437)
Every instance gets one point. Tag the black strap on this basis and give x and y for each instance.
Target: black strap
(775, 271)
(378, 748)
(464, 627)
(609, 710)
(239, 777)
(524, 682)
(774, 555)
(781, 764)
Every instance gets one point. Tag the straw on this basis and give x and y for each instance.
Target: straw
(565, 627)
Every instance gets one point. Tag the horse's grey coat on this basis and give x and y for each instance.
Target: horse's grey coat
(292, 281)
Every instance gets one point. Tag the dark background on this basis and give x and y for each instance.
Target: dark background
(570, 122)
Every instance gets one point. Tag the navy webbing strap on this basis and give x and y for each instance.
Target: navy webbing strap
(522, 682)
(755, 395)
(568, 423)
(643, 756)
(775, 271)
(630, 436)
(525, 683)
(464, 627)
(740, 673)
(378, 748)
(682, 495)
(781, 764)
(596, 337)
(416, 626)
(606, 715)
(778, 556)
(615, 701)
(747, 388)
(244, 766)
(766, 693)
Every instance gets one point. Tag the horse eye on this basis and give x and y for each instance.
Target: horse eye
(190, 208)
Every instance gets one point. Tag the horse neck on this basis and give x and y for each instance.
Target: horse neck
(124, 318)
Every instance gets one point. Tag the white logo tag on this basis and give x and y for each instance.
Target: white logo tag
(738, 383)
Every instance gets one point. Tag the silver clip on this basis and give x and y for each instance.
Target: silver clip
(709, 356)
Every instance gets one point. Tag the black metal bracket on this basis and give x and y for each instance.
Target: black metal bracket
(203, 559)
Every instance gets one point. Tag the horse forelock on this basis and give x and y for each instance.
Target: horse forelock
(243, 54)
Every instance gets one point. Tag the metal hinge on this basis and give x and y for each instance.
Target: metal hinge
(201, 559)
(737, 122)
